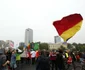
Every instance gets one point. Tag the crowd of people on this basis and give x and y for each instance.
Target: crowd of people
(57, 59)
(11, 59)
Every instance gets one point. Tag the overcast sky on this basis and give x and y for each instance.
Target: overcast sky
(18, 15)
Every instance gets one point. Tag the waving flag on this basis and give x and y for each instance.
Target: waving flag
(68, 26)
(11, 44)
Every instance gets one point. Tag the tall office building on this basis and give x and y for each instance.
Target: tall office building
(28, 36)
(57, 39)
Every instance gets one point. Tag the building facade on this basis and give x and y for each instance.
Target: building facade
(28, 36)
(56, 45)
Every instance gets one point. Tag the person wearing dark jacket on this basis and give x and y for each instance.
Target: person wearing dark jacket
(43, 62)
(3, 61)
(53, 60)
(8, 56)
(60, 60)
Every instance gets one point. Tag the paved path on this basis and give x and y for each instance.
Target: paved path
(27, 67)
(33, 67)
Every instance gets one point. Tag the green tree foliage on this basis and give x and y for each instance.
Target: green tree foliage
(69, 46)
(43, 46)
(79, 47)
(63, 48)
(72, 47)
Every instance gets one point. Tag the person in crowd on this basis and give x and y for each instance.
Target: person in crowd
(7, 58)
(3, 61)
(60, 60)
(77, 57)
(29, 57)
(69, 61)
(18, 58)
(13, 60)
(83, 55)
(72, 54)
(43, 62)
(66, 54)
(8, 55)
(24, 56)
(33, 55)
(37, 54)
(53, 59)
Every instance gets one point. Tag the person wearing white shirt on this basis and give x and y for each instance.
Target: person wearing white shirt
(33, 55)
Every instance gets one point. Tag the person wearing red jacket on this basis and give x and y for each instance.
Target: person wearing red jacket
(69, 61)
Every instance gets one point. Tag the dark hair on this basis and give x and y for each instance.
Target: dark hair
(42, 52)
(60, 51)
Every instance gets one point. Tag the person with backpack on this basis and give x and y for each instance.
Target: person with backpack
(3, 62)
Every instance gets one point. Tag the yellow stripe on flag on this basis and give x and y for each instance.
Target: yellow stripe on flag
(71, 32)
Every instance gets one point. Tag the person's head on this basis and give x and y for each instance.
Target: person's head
(42, 53)
(13, 51)
(10, 49)
(6, 51)
(17, 50)
(60, 51)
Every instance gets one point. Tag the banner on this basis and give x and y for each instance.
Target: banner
(36, 46)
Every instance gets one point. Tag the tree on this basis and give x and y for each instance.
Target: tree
(63, 48)
(43, 46)
(79, 47)
(69, 46)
